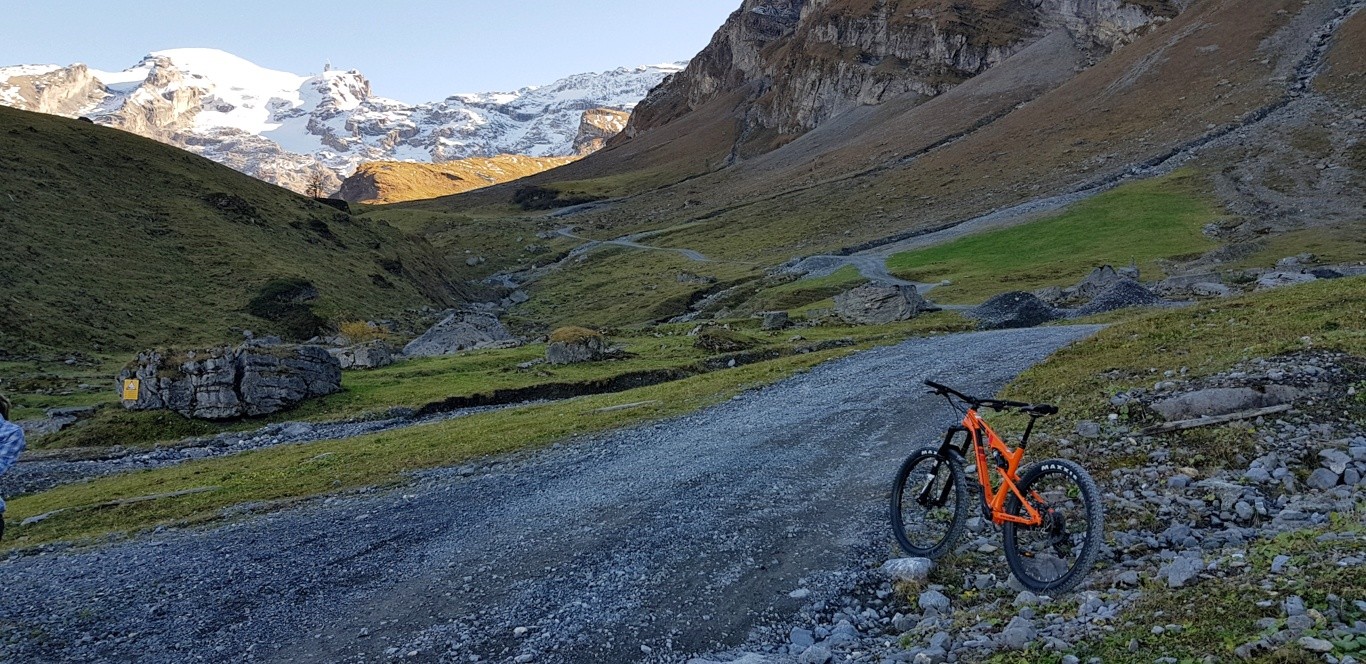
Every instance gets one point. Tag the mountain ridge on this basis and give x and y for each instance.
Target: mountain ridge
(277, 125)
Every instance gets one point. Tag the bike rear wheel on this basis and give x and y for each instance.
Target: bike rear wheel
(929, 503)
(1058, 554)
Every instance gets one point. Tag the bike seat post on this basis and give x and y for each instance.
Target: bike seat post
(1024, 440)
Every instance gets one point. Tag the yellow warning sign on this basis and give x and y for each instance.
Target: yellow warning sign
(131, 388)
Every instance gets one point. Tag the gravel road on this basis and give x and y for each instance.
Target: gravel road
(645, 544)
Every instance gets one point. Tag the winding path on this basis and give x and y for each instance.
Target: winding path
(644, 544)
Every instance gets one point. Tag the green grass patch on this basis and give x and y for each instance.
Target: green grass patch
(38, 384)
(618, 287)
(1140, 222)
(1336, 244)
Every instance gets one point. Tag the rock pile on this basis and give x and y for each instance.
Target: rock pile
(457, 331)
(225, 383)
(1012, 310)
(1121, 293)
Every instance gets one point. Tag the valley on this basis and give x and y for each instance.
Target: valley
(758, 265)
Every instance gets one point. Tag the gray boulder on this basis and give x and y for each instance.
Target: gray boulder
(457, 331)
(1283, 278)
(774, 320)
(1223, 400)
(1012, 310)
(224, 383)
(1098, 280)
(908, 569)
(1322, 479)
(877, 303)
(369, 355)
(1120, 294)
(1182, 569)
(570, 345)
(1210, 289)
(1051, 295)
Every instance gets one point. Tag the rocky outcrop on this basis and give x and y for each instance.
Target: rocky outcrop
(457, 331)
(596, 126)
(56, 90)
(160, 116)
(802, 61)
(226, 383)
(877, 303)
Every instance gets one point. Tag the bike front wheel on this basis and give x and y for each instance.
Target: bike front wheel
(1056, 555)
(929, 503)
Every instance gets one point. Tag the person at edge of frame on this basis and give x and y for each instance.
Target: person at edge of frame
(11, 444)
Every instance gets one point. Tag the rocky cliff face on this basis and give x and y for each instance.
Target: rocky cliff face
(56, 90)
(596, 127)
(803, 61)
(277, 126)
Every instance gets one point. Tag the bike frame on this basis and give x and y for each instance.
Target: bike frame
(993, 498)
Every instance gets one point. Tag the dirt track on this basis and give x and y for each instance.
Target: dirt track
(648, 543)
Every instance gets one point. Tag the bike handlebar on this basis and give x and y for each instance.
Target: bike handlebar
(994, 404)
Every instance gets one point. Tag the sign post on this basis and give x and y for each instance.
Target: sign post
(131, 389)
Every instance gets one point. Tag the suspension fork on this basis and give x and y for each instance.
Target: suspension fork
(945, 450)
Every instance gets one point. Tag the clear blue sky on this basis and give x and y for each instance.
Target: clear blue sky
(411, 50)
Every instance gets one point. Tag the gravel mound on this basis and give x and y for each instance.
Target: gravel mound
(1013, 310)
(1121, 294)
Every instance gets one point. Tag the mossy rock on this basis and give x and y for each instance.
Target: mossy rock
(570, 345)
(573, 334)
(721, 340)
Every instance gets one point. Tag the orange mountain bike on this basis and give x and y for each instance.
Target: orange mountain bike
(1049, 513)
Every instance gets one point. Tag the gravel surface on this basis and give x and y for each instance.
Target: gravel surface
(649, 543)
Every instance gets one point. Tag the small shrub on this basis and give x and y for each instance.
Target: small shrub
(359, 331)
(285, 302)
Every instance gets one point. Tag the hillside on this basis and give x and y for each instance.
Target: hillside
(117, 242)
(398, 181)
(1259, 99)
(277, 125)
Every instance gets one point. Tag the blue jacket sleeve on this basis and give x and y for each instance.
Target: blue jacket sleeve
(11, 444)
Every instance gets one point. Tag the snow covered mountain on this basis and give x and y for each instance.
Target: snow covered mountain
(280, 126)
